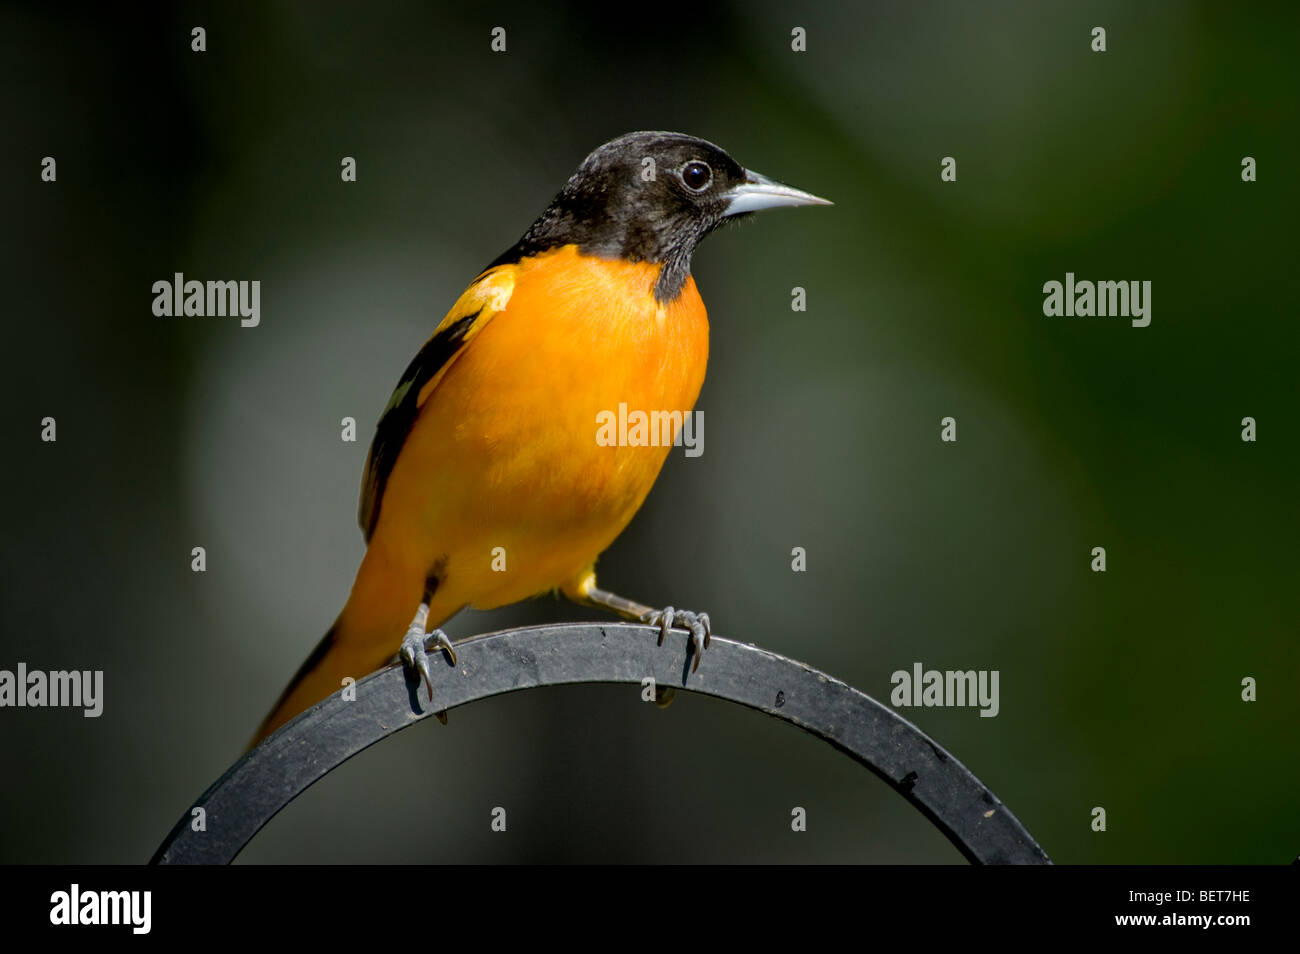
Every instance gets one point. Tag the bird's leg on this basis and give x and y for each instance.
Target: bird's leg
(416, 643)
(697, 624)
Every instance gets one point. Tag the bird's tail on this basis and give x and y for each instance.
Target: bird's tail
(366, 635)
(314, 681)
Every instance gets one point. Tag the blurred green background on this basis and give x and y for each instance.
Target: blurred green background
(1119, 690)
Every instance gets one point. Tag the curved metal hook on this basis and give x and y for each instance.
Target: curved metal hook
(265, 780)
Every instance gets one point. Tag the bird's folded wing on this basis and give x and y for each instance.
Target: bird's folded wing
(486, 297)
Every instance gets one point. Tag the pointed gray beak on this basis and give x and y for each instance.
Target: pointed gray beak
(759, 192)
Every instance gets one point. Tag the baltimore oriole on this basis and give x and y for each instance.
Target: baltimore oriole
(485, 483)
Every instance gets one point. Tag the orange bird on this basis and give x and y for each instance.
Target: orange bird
(488, 481)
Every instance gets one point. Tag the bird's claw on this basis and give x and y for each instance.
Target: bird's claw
(697, 624)
(443, 642)
(415, 655)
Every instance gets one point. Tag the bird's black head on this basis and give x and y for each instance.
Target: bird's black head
(652, 196)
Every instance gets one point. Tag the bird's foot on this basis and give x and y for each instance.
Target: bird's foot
(415, 649)
(697, 624)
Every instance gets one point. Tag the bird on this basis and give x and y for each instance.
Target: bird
(485, 483)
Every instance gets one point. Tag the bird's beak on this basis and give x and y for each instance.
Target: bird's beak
(759, 192)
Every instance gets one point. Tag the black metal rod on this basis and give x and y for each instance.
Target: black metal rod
(265, 780)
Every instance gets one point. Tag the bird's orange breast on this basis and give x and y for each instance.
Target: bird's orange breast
(509, 450)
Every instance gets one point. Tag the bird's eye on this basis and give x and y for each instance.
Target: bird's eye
(697, 175)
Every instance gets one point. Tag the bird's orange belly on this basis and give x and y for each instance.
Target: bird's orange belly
(518, 464)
